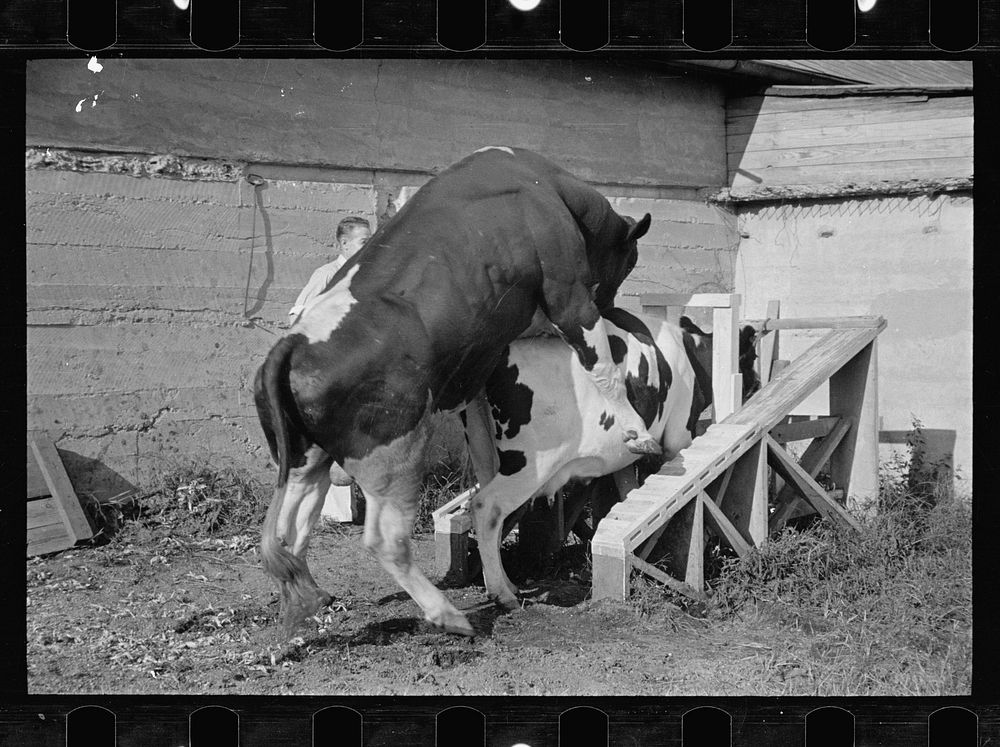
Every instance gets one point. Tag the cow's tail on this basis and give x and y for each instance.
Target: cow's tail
(272, 405)
(300, 596)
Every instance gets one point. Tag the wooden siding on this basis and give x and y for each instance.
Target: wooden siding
(776, 140)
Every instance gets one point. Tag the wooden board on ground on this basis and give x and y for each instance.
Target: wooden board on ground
(56, 520)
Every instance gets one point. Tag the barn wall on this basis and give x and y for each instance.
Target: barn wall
(155, 286)
(787, 138)
(907, 259)
(860, 202)
(606, 122)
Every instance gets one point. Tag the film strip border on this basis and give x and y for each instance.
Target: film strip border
(496, 26)
(515, 722)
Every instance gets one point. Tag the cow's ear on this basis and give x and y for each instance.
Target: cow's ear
(639, 229)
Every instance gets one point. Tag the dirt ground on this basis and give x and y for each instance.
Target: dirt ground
(160, 615)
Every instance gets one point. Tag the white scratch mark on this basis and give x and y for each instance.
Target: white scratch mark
(504, 148)
(94, 66)
(300, 112)
(344, 88)
(588, 78)
(282, 92)
(79, 105)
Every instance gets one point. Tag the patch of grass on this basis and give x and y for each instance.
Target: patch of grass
(890, 606)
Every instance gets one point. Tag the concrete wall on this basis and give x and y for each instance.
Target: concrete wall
(144, 329)
(908, 259)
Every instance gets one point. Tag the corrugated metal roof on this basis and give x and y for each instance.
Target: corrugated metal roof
(890, 73)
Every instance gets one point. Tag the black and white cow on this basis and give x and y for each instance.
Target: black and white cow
(500, 243)
(702, 349)
(552, 425)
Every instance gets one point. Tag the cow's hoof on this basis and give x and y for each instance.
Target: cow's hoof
(455, 622)
(507, 604)
(647, 446)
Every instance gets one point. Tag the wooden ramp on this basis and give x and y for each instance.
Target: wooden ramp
(732, 457)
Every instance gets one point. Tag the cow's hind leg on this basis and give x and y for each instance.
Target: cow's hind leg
(291, 516)
(490, 506)
(390, 478)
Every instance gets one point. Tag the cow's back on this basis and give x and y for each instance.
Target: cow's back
(551, 419)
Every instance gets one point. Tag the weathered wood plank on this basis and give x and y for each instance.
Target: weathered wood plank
(40, 545)
(710, 300)
(76, 520)
(774, 114)
(43, 512)
(610, 576)
(813, 322)
(848, 134)
(804, 429)
(36, 485)
(694, 574)
(854, 394)
(837, 173)
(857, 156)
(768, 344)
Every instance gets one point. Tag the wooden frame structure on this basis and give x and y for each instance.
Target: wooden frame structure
(723, 479)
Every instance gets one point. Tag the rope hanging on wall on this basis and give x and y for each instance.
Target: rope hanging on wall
(257, 182)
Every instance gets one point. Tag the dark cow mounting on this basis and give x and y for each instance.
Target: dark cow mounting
(499, 244)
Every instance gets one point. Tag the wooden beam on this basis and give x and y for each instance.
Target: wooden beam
(731, 533)
(745, 501)
(75, 519)
(815, 456)
(854, 393)
(611, 576)
(815, 322)
(815, 494)
(720, 494)
(694, 574)
(768, 345)
(726, 389)
(803, 430)
(705, 300)
(667, 580)
(770, 406)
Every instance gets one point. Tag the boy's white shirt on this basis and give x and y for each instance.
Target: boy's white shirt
(317, 282)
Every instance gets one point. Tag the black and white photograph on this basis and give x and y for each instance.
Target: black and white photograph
(579, 376)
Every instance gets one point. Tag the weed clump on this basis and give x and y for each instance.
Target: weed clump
(892, 602)
(196, 500)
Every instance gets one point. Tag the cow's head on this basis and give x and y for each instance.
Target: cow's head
(702, 347)
(614, 266)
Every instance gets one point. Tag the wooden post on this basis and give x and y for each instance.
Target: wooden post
(611, 575)
(727, 385)
(854, 464)
(745, 500)
(769, 345)
(694, 575)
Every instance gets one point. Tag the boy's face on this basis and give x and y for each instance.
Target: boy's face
(353, 240)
